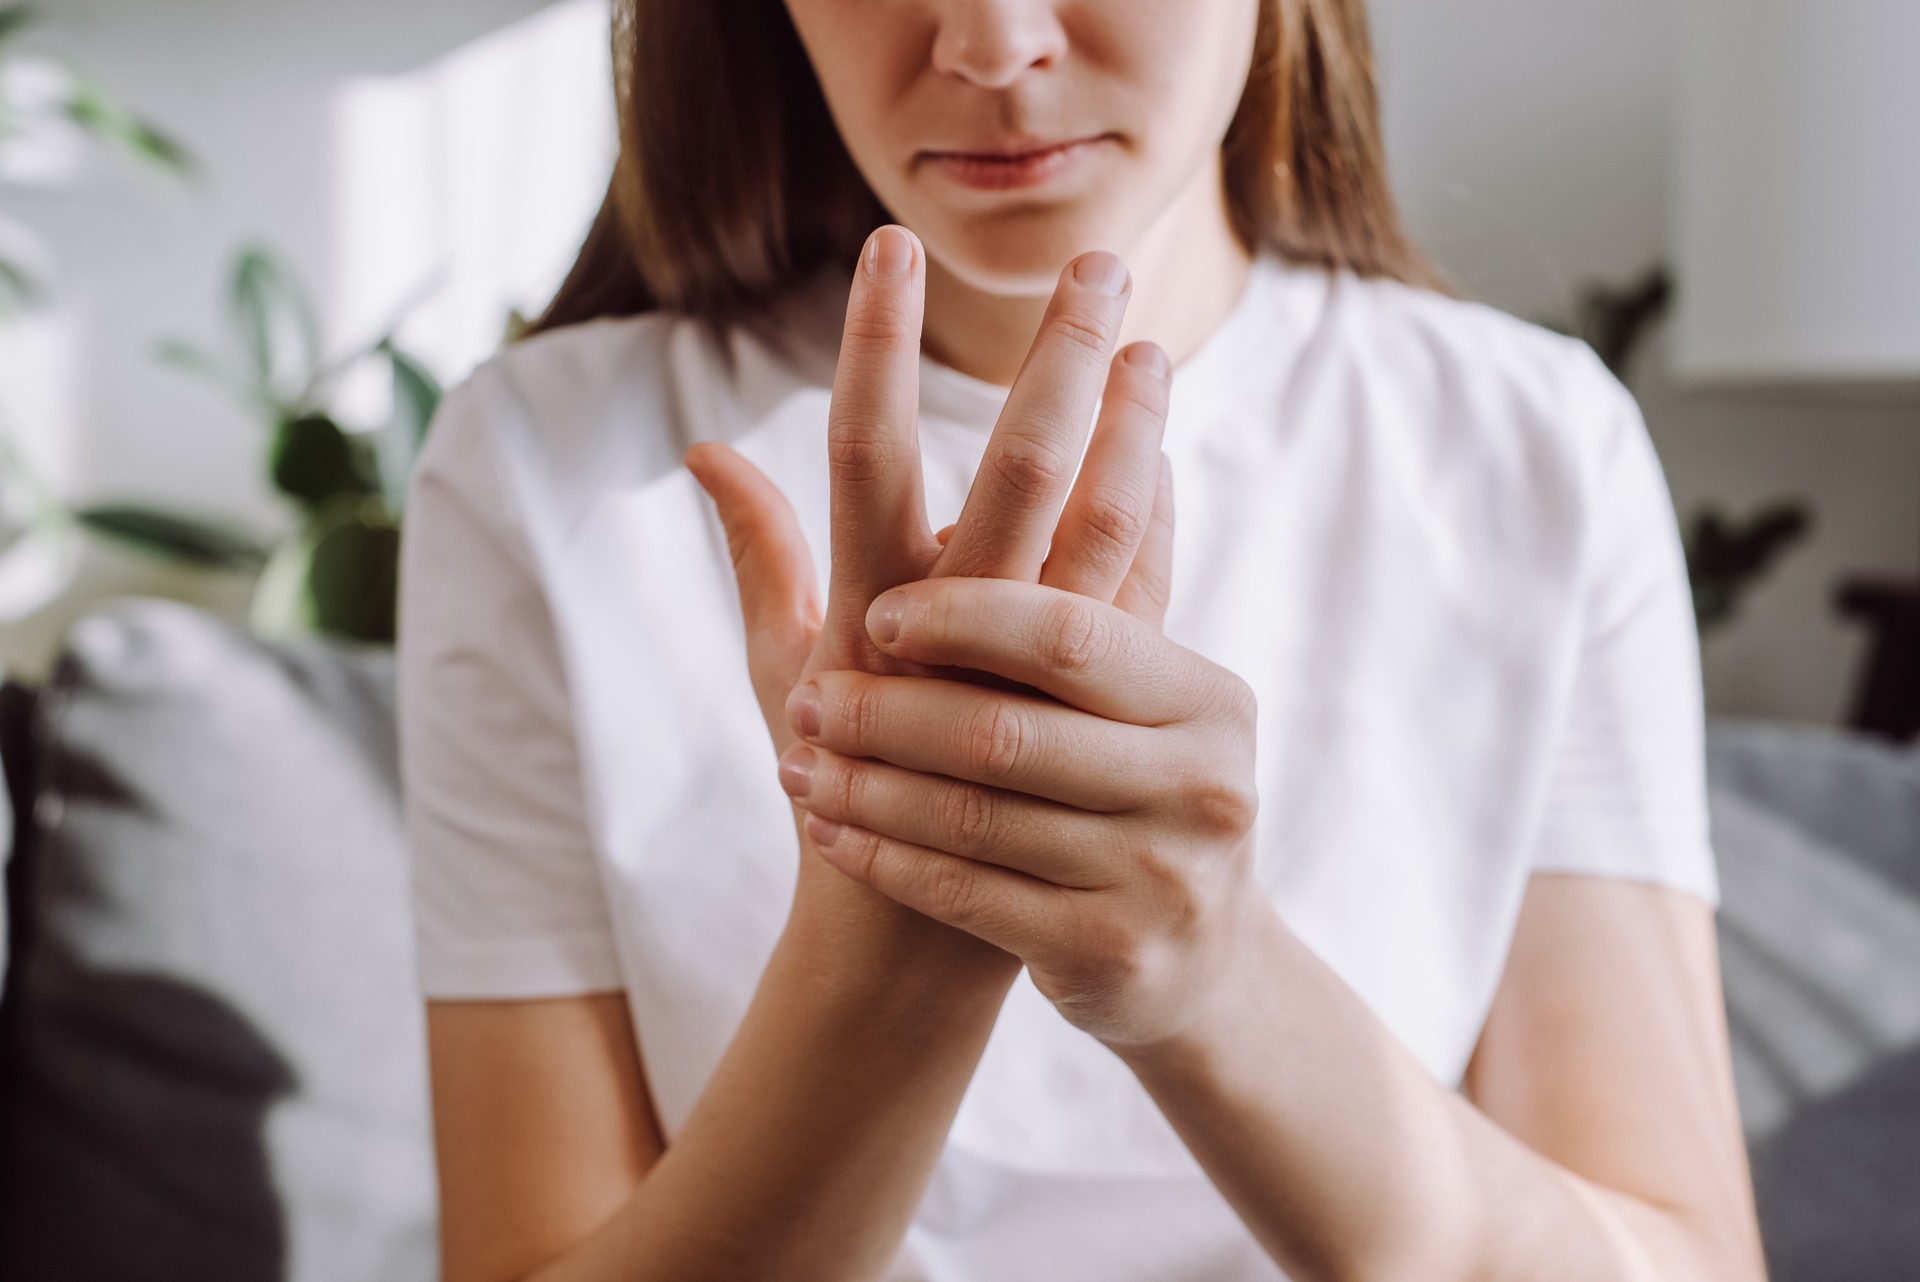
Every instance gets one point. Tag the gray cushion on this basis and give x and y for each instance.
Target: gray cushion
(214, 1060)
(1818, 838)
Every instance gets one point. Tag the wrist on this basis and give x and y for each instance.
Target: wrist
(1215, 1018)
(850, 938)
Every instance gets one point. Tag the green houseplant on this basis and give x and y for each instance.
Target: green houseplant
(338, 572)
(81, 102)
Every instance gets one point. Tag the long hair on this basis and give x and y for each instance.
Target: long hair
(732, 183)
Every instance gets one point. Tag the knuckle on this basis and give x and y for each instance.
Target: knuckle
(862, 851)
(1076, 638)
(1222, 808)
(1110, 957)
(1028, 469)
(1231, 700)
(995, 740)
(847, 786)
(860, 715)
(859, 451)
(970, 818)
(1084, 331)
(935, 613)
(953, 892)
(877, 320)
(1113, 518)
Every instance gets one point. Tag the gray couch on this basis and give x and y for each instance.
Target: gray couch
(210, 1045)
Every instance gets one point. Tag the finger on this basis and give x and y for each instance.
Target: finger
(1149, 584)
(1059, 844)
(1005, 739)
(1014, 503)
(772, 568)
(1008, 909)
(877, 506)
(1092, 656)
(943, 534)
(1108, 511)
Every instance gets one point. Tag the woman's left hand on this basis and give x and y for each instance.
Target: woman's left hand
(1100, 829)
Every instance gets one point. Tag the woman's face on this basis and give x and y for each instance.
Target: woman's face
(956, 111)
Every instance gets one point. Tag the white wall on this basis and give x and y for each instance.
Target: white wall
(302, 114)
(1531, 141)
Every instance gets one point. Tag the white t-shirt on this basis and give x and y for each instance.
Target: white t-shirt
(1434, 539)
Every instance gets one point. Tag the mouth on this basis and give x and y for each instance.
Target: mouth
(1015, 163)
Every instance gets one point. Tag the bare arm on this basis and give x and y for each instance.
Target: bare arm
(1605, 1145)
(810, 1146)
(1115, 857)
(803, 1159)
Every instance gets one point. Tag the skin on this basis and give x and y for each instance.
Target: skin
(1086, 810)
(1159, 79)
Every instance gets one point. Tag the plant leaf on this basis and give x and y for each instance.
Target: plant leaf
(16, 18)
(103, 116)
(276, 327)
(353, 578)
(313, 461)
(193, 359)
(416, 396)
(17, 288)
(181, 538)
(197, 362)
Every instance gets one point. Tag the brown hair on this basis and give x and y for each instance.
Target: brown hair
(732, 183)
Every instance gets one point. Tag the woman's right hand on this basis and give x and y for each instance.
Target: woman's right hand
(1109, 536)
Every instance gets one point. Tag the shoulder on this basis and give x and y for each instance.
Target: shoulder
(1460, 348)
(1527, 419)
(616, 402)
(566, 395)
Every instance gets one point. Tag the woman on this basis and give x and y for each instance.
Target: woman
(1324, 893)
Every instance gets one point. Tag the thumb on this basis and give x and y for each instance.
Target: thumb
(772, 568)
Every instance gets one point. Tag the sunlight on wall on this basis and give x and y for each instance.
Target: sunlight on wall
(37, 409)
(462, 189)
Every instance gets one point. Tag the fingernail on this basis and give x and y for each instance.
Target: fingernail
(889, 253)
(883, 617)
(1101, 272)
(796, 769)
(803, 710)
(823, 831)
(1148, 357)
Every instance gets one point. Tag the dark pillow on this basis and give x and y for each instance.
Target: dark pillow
(213, 1055)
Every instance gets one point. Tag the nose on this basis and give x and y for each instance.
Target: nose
(990, 43)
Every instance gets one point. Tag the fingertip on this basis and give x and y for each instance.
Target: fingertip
(1149, 358)
(891, 252)
(884, 617)
(1102, 271)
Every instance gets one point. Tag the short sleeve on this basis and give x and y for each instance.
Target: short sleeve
(1626, 795)
(507, 897)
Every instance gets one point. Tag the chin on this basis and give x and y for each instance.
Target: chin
(1017, 252)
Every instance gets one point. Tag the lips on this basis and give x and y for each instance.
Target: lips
(1008, 164)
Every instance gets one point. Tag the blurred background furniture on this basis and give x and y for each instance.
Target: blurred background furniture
(1888, 700)
(211, 1043)
(211, 1059)
(1796, 196)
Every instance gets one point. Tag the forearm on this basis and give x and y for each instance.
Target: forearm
(810, 1147)
(1348, 1161)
